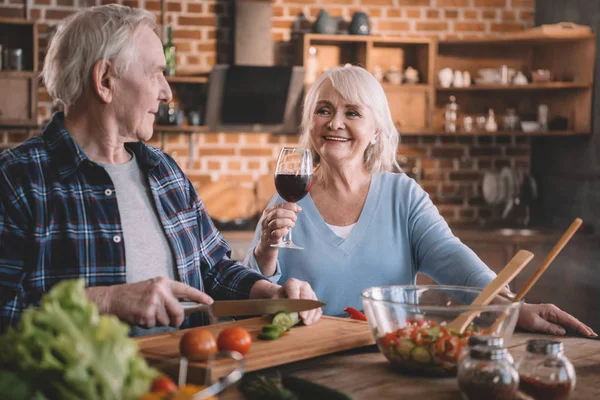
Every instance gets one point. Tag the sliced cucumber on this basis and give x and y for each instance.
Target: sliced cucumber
(405, 347)
(433, 333)
(286, 320)
(421, 355)
(272, 335)
(273, 328)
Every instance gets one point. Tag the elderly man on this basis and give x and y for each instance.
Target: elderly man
(88, 199)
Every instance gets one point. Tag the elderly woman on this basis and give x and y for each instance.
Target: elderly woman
(88, 199)
(361, 224)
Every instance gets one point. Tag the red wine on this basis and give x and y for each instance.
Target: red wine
(293, 188)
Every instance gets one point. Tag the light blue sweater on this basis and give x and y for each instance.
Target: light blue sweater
(399, 233)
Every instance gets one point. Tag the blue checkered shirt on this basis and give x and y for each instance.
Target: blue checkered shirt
(59, 220)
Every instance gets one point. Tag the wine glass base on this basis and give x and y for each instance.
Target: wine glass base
(287, 245)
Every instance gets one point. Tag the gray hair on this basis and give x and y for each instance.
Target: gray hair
(357, 85)
(96, 33)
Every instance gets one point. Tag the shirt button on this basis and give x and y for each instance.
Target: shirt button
(117, 239)
(108, 192)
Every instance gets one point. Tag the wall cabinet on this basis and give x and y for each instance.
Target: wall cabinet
(418, 109)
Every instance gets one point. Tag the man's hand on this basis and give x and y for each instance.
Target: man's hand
(148, 303)
(547, 318)
(292, 289)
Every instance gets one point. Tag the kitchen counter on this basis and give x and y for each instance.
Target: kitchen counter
(364, 373)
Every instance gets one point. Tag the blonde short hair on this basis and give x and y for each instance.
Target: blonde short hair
(357, 85)
(95, 33)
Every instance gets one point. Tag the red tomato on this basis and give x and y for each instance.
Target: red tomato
(163, 384)
(389, 340)
(198, 344)
(234, 339)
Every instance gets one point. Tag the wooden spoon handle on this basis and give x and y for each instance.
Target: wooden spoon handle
(564, 239)
(514, 266)
(543, 267)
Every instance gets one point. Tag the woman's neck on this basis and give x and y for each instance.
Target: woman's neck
(344, 180)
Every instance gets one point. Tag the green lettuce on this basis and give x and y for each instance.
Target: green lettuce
(66, 350)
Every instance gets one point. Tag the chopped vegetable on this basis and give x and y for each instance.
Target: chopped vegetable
(282, 321)
(425, 346)
(67, 350)
(286, 320)
(355, 314)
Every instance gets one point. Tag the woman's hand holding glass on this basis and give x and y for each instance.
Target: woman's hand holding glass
(275, 223)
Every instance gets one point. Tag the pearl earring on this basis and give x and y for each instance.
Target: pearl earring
(374, 140)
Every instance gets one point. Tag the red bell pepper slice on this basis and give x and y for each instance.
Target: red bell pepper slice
(355, 314)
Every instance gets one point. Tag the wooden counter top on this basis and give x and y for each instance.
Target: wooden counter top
(365, 373)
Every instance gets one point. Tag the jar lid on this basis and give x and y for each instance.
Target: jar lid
(486, 340)
(488, 352)
(544, 346)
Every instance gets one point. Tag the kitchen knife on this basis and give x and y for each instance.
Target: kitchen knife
(230, 308)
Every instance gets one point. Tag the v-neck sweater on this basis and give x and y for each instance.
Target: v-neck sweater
(398, 234)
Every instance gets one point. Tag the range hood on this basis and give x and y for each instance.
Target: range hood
(253, 95)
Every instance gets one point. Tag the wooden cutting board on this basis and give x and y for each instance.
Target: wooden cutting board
(328, 335)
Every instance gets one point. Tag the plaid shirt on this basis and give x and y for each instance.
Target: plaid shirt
(59, 220)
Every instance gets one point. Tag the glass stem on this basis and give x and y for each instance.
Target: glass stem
(288, 236)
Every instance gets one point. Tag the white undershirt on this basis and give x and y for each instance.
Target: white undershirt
(341, 231)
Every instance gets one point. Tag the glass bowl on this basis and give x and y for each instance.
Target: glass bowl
(408, 323)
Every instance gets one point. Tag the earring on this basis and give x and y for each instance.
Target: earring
(374, 140)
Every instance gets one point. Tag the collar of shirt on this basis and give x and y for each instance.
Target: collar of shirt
(68, 156)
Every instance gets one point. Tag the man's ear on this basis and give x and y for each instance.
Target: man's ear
(103, 80)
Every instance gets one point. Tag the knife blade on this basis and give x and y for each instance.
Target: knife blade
(231, 308)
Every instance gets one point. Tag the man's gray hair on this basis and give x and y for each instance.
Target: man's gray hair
(96, 33)
(358, 86)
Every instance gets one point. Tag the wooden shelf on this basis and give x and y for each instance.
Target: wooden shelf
(413, 86)
(517, 38)
(180, 129)
(18, 74)
(187, 79)
(15, 123)
(530, 86)
(497, 133)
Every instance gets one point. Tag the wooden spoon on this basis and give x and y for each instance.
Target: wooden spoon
(514, 266)
(564, 239)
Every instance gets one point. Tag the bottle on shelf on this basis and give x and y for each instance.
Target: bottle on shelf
(451, 116)
(490, 124)
(312, 66)
(170, 53)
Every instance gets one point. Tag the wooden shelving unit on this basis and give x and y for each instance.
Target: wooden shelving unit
(497, 133)
(530, 86)
(19, 109)
(418, 109)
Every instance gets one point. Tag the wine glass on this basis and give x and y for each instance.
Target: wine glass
(293, 178)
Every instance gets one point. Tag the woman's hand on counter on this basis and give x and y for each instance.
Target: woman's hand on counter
(547, 318)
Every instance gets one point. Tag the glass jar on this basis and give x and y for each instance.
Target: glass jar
(487, 374)
(483, 340)
(545, 372)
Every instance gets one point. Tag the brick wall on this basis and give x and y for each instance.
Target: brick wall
(450, 167)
